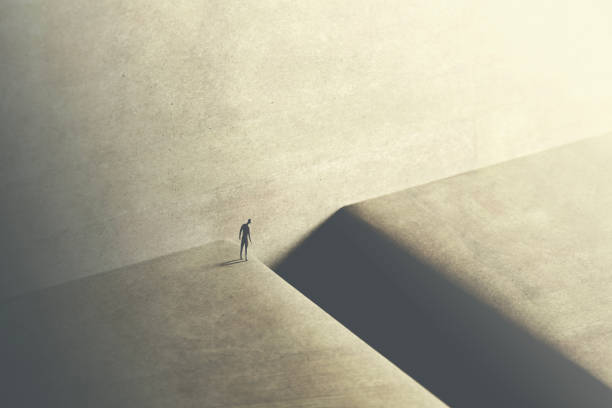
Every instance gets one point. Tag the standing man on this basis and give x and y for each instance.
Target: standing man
(245, 234)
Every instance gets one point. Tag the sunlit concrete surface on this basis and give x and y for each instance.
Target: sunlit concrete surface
(530, 239)
(134, 129)
(193, 329)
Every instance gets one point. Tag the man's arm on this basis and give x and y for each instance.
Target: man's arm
(250, 237)
(240, 233)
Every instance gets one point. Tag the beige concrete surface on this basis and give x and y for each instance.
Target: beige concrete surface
(529, 238)
(130, 130)
(192, 329)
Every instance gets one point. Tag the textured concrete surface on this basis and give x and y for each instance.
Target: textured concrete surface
(531, 237)
(193, 329)
(130, 130)
(528, 241)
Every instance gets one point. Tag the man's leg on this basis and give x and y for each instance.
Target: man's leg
(241, 246)
(246, 248)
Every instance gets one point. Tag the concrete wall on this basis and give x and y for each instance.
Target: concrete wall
(134, 129)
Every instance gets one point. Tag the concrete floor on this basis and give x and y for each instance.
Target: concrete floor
(193, 329)
(490, 288)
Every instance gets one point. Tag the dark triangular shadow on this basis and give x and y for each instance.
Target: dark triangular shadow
(460, 349)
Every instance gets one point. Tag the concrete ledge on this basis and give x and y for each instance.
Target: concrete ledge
(491, 288)
(191, 329)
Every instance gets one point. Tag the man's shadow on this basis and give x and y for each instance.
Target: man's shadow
(232, 262)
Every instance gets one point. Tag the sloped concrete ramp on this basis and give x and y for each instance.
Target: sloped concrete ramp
(193, 329)
(491, 288)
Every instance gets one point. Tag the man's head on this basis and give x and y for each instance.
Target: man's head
(249, 221)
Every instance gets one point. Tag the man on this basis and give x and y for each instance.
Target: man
(245, 234)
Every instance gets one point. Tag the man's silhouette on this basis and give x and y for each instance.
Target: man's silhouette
(245, 233)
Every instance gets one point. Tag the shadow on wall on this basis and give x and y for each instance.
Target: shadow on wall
(459, 348)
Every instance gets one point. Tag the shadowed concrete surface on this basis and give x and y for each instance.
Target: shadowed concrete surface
(130, 130)
(192, 329)
(491, 288)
